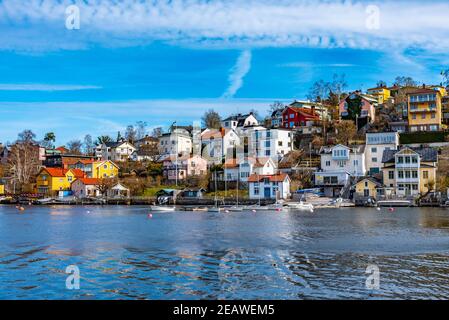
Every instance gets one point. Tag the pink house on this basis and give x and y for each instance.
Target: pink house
(193, 166)
(367, 112)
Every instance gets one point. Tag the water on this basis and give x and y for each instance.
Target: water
(123, 254)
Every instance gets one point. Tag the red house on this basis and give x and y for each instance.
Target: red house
(294, 117)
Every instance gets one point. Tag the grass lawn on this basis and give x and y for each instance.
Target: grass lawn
(229, 194)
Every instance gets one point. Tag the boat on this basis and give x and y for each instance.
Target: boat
(215, 209)
(300, 206)
(162, 208)
(199, 209)
(395, 203)
(233, 209)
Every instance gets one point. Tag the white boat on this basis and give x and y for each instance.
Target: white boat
(234, 209)
(162, 208)
(300, 206)
(214, 209)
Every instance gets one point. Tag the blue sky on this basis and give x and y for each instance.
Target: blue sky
(172, 60)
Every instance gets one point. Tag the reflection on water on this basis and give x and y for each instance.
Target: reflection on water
(122, 254)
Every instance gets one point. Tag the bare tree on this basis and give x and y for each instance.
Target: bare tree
(26, 136)
(141, 129)
(105, 184)
(338, 85)
(74, 146)
(319, 91)
(130, 133)
(23, 163)
(277, 105)
(211, 119)
(405, 82)
(88, 144)
(345, 131)
(157, 132)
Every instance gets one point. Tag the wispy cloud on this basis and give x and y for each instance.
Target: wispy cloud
(226, 23)
(44, 87)
(316, 65)
(237, 73)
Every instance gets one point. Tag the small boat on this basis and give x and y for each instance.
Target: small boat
(200, 209)
(234, 209)
(395, 203)
(162, 208)
(257, 208)
(300, 206)
(215, 209)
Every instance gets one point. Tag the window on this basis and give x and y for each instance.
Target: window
(70, 178)
(425, 174)
(280, 143)
(341, 164)
(423, 116)
(328, 163)
(433, 115)
(374, 150)
(407, 159)
(366, 184)
(415, 174)
(407, 174)
(414, 117)
(356, 162)
(390, 174)
(414, 159)
(401, 174)
(292, 116)
(366, 193)
(400, 159)
(267, 153)
(374, 159)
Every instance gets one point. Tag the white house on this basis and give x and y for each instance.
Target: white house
(376, 144)
(176, 142)
(216, 144)
(273, 143)
(85, 187)
(338, 164)
(275, 186)
(115, 151)
(239, 121)
(235, 169)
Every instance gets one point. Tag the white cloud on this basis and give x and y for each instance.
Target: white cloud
(226, 23)
(237, 73)
(44, 87)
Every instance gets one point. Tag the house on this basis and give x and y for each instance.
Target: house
(216, 144)
(242, 169)
(176, 142)
(410, 171)
(424, 110)
(318, 108)
(367, 188)
(86, 187)
(359, 108)
(115, 151)
(338, 164)
(275, 186)
(59, 160)
(276, 118)
(382, 94)
(238, 121)
(96, 169)
(192, 193)
(376, 144)
(50, 181)
(184, 168)
(118, 191)
(2, 187)
(148, 141)
(273, 143)
(295, 117)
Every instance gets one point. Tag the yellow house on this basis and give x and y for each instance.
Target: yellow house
(50, 181)
(424, 110)
(381, 93)
(96, 169)
(410, 171)
(104, 169)
(367, 188)
(2, 189)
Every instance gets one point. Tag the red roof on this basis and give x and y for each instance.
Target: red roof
(307, 113)
(56, 172)
(90, 181)
(231, 163)
(272, 178)
(62, 149)
(78, 173)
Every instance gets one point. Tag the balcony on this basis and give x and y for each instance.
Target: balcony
(418, 110)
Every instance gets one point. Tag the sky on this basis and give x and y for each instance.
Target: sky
(94, 67)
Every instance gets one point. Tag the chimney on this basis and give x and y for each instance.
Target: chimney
(313, 110)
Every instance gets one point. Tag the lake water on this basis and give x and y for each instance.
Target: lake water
(123, 254)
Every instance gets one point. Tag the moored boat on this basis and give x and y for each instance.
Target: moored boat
(300, 206)
(162, 208)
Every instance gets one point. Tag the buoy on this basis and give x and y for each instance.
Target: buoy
(227, 211)
(254, 210)
(378, 209)
(22, 209)
(391, 209)
(278, 209)
(150, 215)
